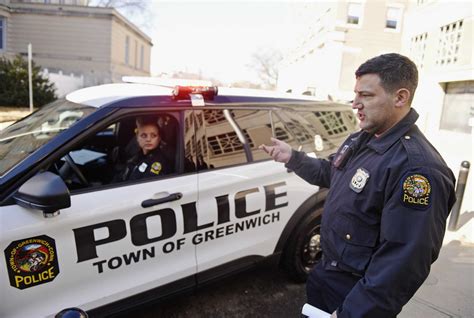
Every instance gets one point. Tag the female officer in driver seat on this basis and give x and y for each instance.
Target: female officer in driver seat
(149, 160)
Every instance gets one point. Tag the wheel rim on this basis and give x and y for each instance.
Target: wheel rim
(311, 250)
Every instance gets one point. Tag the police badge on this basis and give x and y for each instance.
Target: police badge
(155, 167)
(359, 180)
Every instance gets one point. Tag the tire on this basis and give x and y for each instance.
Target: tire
(303, 250)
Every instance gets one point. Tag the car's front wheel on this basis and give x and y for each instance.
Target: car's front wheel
(303, 250)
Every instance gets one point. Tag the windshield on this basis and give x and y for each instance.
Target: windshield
(30, 133)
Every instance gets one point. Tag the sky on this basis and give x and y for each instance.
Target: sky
(217, 38)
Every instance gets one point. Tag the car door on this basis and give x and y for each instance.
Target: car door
(245, 199)
(114, 241)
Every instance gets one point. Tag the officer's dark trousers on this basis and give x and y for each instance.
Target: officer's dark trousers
(326, 289)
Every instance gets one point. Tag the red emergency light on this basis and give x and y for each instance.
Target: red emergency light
(184, 92)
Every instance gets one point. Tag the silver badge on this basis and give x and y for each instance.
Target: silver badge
(142, 167)
(359, 180)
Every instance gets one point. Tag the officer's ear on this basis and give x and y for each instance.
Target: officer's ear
(402, 97)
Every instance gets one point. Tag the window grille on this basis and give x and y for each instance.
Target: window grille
(302, 135)
(332, 122)
(449, 42)
(214, 116)
(418, 48)
(227, 143)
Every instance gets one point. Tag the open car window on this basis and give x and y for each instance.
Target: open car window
(103, 158)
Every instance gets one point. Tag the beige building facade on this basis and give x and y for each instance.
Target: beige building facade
(436, 34)
(438, 37)
(341, 36)
(66, 35)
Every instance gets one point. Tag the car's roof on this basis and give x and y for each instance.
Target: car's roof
(101, 95)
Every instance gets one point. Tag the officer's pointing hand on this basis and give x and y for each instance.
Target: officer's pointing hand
(280, 151)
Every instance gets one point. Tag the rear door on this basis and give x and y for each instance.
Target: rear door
(245, 199)
(107, 245)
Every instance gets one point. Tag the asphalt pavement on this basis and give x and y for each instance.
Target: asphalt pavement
(266, 291)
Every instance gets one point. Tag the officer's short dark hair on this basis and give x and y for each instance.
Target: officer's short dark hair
(395, 71)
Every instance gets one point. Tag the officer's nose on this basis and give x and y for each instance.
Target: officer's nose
(356, 104)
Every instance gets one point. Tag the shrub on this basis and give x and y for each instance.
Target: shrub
(14, 84)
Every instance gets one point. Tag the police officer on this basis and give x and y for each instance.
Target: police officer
(149, 161)
(390, 194)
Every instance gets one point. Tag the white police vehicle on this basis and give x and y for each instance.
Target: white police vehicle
(73, 236)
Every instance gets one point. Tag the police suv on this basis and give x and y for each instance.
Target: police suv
(75, 235)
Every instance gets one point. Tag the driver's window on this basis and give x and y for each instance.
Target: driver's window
(132, 149)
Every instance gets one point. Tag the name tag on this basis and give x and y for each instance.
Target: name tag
(142, 167)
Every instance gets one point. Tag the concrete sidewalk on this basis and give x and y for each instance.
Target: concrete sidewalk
(449, 289)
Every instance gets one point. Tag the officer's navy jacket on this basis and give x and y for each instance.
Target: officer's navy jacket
(385, 214)
(144, 166)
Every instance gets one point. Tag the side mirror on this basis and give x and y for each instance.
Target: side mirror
(46, 192)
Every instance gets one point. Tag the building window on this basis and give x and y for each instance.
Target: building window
(458, 106)
(2, 33)
(418, 48)
(127, 50)
(394, 16)
(142, 57)
(354, 13)
(449, 43)
(135, 57)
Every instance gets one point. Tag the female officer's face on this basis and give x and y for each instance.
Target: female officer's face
(148, 138)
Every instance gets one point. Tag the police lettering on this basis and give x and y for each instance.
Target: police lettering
(409, 199)
(35, 278)
(86, 242)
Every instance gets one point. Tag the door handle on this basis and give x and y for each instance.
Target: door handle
(172, 197)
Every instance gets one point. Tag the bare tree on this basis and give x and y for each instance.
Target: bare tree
(246, 84)
(119, 4)
(134, 10)
(265, 63)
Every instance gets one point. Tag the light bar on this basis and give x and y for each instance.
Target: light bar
(183, 92)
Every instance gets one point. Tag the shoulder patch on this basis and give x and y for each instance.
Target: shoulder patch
(155, 167)
(416, 191)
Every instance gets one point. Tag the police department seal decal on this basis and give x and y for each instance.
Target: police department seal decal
(416, 191)
(155, 168)
(359, 180)
(32, 261)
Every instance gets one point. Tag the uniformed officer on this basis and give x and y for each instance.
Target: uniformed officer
(390, 195)
(149, 161)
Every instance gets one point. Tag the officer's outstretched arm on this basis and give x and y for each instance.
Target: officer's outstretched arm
(412, 229)
(312, 170)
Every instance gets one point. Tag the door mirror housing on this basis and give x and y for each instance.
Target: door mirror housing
(45, 191)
